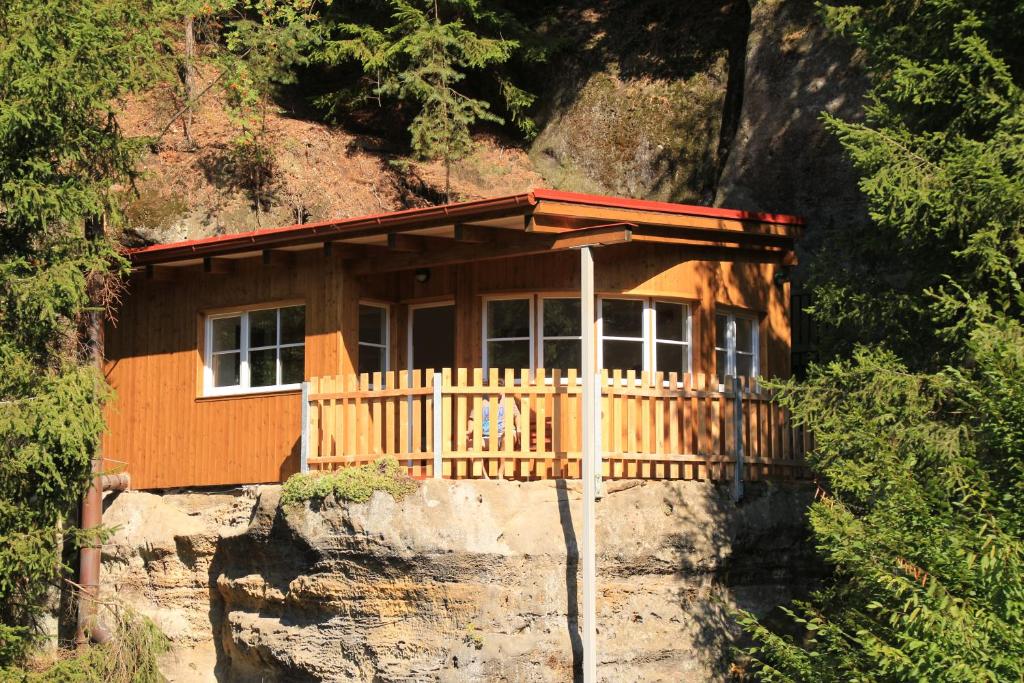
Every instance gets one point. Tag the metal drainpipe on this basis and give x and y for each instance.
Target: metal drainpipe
(89, 626)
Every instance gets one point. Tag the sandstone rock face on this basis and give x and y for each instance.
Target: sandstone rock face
(782, 158)
(159, 561)
(460, 581)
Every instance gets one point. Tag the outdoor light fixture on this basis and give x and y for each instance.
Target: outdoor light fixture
(422, 275)
(782, 276)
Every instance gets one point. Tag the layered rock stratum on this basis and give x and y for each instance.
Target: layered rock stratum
(460, 581)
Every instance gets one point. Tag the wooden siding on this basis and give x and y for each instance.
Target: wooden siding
(159, 423)
(170, 436)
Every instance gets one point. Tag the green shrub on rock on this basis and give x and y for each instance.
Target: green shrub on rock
(353, 484)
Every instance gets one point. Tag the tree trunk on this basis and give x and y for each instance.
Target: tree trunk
(188, 79)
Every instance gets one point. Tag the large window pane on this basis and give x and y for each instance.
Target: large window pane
(508, 318)
(624, 355)
(263, 368)
(371, 325)
(622, 318)
(721, 331)
(227, 333)
(744, 365)
(509, 354)
(561, 317)
(371, 358)
(263, 328)
(670, 321)
(722, 362)
(293, 325)
(227, 369)
(744, 335)
(562, 354)
(672, 358)
(293, 369)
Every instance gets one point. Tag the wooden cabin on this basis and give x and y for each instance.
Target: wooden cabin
(242, 358)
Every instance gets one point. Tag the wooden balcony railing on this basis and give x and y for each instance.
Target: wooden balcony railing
(653, 426)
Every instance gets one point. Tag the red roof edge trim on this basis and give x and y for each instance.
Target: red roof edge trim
(665, 207)
(298, 233)
(479, 209)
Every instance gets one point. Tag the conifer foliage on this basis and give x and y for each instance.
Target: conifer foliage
(420, 52)
(63, 64)
(919, 421)
(940, 159)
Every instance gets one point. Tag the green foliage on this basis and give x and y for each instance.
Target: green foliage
(473, 637)
(421, 52)
(921, 520)
(63, 64)
(941, 159)
(918, 449)
(353, 484)
(130, 657)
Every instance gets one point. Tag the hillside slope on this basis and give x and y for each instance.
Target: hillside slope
(317, 171)
(715, 102)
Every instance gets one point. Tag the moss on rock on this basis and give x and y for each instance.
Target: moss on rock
(638, 137)
(353, 484)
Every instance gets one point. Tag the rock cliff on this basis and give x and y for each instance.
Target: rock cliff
(460, 581)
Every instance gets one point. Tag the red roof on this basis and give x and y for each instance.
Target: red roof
(479, 209)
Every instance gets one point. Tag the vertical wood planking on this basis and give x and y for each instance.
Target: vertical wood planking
(447, 418)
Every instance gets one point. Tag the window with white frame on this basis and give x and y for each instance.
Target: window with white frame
(255, 350)
(671, 337)
(624, 334)
(508, 334)
(560, 338)
(373, 338)
(736, 345)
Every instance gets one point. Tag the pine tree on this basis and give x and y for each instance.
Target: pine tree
(63, 63)
(939, 156)
(919, 421)
(422, 53)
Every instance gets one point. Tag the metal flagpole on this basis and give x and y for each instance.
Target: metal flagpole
(589, 454)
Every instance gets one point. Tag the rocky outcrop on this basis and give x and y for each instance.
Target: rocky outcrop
(782, 158)
(460, 581)
(633, 102)
(159, 561)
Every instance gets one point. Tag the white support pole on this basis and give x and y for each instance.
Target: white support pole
(304, 443)
(589, 456)
(737, 420)
(438, 441)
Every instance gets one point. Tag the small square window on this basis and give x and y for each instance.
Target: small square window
(622, 317)
(508, 318)
(227, 333)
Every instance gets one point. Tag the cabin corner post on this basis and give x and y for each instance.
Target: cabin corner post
(304, 441)
(589, 358)
(737, 422)
(438, 440)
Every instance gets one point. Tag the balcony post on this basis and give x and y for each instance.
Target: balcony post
(589, 455)
(737, 420)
